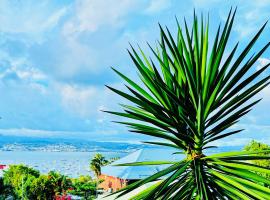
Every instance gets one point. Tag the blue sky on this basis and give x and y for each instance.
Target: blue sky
(55, 57)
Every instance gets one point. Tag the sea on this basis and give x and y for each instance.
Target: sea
(72, 164)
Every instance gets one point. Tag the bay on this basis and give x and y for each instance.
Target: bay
(72, 164)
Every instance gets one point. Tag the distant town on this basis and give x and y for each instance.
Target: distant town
(63, 145)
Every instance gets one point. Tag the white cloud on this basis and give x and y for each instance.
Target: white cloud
(262, 62)
(47, 133)
(251, 17)
(157, 6)
(31, 73)
(91, 15)
(252, 118)
(231, 142)
(238, 142)
(246, 27)
(30, 18)
(204, 3)
(252, 127)
(98, 135)
(76, 58)
(252, 130)
(261, 3)
(266, 95)
(79, 100)
(28, 132)
(92, 18)
(20, 67)
(86, 101)
(53, 20)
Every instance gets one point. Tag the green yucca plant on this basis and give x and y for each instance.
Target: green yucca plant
(191, 97)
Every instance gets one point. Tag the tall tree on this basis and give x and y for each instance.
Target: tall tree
(96, 163)
(190, 96)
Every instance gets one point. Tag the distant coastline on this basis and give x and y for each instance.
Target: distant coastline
(64, 148)
(11, 143)
(35, 144)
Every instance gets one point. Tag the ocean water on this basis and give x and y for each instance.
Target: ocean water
(72, 164)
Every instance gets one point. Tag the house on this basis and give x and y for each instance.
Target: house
(117, 177)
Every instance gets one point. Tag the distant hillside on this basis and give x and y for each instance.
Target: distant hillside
(15, 143)
(18, 143)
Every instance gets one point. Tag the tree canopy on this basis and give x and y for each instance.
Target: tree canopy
(26, 183)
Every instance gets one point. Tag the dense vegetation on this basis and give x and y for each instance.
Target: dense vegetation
(22, 182)
(84, 186)
(189, 95)
(258, 146)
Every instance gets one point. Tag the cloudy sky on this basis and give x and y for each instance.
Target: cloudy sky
(55, 57)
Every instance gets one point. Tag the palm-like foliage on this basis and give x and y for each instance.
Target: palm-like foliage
(189, 101)
(96, 163)
(60, 183)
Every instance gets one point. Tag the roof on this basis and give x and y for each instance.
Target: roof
(140, 172)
